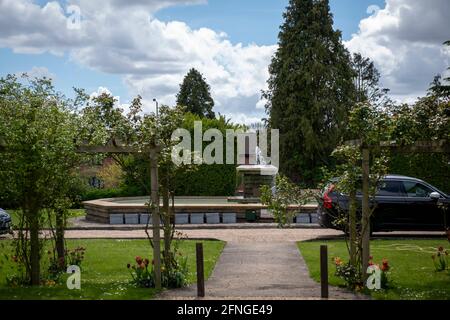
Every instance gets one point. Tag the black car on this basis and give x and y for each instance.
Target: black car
(5, 222)
(401, 203)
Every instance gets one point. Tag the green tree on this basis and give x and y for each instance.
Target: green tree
(438, 88)
(367, 81)
(281, 200)
(371, 126)
(195, 95)
(38, 132)
(310, 89)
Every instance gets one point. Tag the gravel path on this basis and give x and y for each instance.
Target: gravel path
(255, 264)
(260, 270)
(229, 235)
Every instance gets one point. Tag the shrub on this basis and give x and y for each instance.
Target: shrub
(142, 274)
(57, 266)
(348, 273)
(440, 259)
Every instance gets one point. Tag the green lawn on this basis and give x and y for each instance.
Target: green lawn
(72, 213)
(104, 273)
(412, 269)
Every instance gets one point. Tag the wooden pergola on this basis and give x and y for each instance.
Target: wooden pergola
(153, 152)
(440, 146)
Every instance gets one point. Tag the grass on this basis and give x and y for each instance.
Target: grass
(104, 273)
(72, 214)
(412, 269)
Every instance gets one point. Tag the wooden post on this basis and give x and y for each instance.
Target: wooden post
(200, 271)
(324, 271)
(365, 223)
(155, 217)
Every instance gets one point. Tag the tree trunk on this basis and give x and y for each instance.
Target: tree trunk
(34, 247)
(155, 217)
(365, 221)
(59, 235)
(352, 227)
(167, 226)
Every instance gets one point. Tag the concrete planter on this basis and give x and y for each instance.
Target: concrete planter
(303, 218)
(181, 218)
(131, 218)
(197, 218)
(229, 217)
(144, 218)
(116, 218)
(213, 218)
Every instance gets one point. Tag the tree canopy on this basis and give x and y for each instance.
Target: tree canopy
(310, 89)
(39, 131)
(195, 95)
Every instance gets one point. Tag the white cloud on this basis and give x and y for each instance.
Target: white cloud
(405, 41)
(122, 37)
(38, 72)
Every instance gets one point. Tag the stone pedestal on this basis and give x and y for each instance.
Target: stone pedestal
(255, 176)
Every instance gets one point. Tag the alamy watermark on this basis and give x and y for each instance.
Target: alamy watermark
(74, 19)
(74, 280)
(374, 280)
(253, 145)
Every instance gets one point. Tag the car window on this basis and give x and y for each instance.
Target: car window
(417, 190)
(390, 189)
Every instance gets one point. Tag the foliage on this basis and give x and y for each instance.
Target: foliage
(199, 180)
(195, 95)
(353, 277)
(426, 120)
(56, 266)
(279, 199)
(348, 273)
(310, 89)
(176, 277)
(111, 175)
(142, 277)
(366, 82)
(36, 167)
(75, 256)
(370, 126)
(94, 193)
(12, 266)
(440, 259)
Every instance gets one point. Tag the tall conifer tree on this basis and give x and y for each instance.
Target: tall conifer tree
(195, 95)
(310, 88)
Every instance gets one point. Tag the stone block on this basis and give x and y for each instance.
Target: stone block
(181, 218)
(116, 218)
(303, 218)
(197, 218)
(213, 218)
(229, 217)
(131, 218)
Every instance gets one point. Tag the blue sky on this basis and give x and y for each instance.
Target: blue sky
(249, 21)
(258, 20)
(138, 48)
